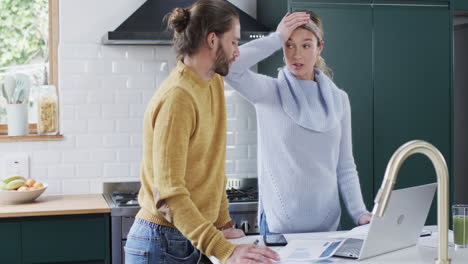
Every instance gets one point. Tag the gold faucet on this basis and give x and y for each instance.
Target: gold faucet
(394, 165)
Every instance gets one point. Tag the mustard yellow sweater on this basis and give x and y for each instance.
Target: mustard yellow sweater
(184, 148)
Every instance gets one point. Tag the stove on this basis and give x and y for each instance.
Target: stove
(122, 198)
(243, 203)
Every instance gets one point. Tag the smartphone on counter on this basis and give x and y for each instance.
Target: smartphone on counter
(276, 240)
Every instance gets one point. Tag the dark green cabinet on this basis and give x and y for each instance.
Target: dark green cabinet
(393, 59)
(10, 241)
(56, 239)
(411, 88)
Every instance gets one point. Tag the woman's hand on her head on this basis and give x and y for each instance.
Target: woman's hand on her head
(364, 219)
(290, 22)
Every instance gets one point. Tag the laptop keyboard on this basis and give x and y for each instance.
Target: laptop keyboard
(350, 248)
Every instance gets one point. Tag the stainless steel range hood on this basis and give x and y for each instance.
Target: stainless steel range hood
(146, 27)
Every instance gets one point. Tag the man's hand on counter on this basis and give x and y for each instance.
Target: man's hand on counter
(232, 232)
(252, 254)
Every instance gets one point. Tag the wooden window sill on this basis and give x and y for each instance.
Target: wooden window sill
(32, 136)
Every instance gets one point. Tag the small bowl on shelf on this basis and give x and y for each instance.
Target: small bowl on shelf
(17, 197)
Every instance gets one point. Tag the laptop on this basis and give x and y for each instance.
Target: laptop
(401, 224)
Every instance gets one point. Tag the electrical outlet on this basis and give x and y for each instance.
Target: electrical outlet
(16, 164)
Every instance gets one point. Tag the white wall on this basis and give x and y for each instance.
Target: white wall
(103, 95)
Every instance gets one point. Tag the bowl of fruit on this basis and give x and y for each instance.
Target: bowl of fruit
(17, 189)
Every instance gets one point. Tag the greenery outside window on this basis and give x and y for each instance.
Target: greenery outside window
(29, 33)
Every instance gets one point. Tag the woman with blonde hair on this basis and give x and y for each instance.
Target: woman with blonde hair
(305, 156)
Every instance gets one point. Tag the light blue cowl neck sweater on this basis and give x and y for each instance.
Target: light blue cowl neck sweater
(305, 158)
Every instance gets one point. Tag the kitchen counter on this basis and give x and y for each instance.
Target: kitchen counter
(412, 255)
(57, 205)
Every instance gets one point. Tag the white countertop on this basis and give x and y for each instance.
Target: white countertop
(412, 255)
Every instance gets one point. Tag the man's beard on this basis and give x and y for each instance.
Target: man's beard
(221, 64)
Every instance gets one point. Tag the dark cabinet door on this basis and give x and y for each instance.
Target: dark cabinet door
(348, 52)
(10, 242)
(411, 88)
(70, 239)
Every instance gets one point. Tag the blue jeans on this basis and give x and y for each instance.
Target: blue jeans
(156, 244)
(264, 230)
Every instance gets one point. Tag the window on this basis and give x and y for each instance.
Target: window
(29, 34)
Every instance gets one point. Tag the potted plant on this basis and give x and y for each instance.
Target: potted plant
(15, 90)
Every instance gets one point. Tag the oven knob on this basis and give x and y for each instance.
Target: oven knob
(245, 226)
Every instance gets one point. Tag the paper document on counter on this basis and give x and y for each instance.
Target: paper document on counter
(308, 250)
(359, 232)
(433, 240)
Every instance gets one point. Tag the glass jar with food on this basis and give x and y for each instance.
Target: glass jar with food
(47, 114)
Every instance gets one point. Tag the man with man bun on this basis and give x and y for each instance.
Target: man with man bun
(184, 209)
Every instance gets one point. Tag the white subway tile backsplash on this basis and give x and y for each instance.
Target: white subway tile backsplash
(236, 152)
(140, 53)
(99, 67)
(73, 97)
(137, 110)
(236, 124)
(104, 155)
(101, 125)
(117, 140)
(54, 187)
(67, 143)
(117, 170)
(76, 186)
(126, 67)
(70, 66)
(252, 123)
(9, 147)
(101, 97)
(128, 97)
(115, 111)
(147, 95)
(230, 111)
(246, 166)
(87, 111)
(230, 138)
(74, 126)
(89, 171)
(246, 138)
(67, 112)
(32, 146)
(85, 83)
(230, 167)
(130, 125)
(137, 140)
(38, 172)
(46, 157)
(61, 171)
(80, 51)
(143, 81)
(114, 52)
(88, 141)
(96, 185)
(151, 67)
(72, 157)
(113, 83)
(135, 169)
(253, 152)
(126, 155)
